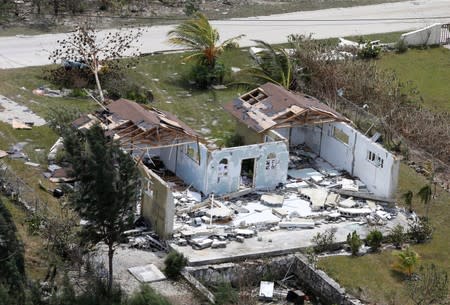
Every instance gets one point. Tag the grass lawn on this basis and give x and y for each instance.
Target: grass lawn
(428, 69)
(371, 276)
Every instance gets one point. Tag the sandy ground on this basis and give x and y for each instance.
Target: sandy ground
(178, 293)
(21, 51)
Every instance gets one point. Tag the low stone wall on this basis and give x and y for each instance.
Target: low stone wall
(250, 273)
(327, 289)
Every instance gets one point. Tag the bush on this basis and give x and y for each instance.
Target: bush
(205, 76)
(369, 51)
(397, 236)
(324, 241)
(226, 294)
(374, 239)
(421, 230)
(354, 241)
(174, 263)
(401, 46)
(146, 296)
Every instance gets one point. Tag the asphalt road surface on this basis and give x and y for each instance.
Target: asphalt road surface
(22, 50)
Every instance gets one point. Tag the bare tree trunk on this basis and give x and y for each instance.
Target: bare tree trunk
(110, 261)
(99, 87)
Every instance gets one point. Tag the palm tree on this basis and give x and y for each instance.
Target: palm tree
(408, 197)
(406, 261)
(425, 194)
(198, 35)
(275, 65)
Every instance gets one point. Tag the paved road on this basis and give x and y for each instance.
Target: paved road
(21, 51)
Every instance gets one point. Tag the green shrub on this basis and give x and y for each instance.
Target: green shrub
(174, 263)
(369, 51)
(324, 241)
(354, 241)
(397, 236)
(374, 239)
(421, 230)
(205, 76)
(147, 296)
(401, 46)
(225, 294)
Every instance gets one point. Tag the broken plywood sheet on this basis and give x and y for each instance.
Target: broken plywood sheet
(147, 274)
(16, 124)
(306, 174)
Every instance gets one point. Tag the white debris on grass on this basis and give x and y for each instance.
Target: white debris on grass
(13, 111)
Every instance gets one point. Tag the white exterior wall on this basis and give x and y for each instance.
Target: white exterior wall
(353, 156)
(430, 35)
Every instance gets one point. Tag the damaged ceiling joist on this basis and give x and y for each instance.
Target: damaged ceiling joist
(271, 106)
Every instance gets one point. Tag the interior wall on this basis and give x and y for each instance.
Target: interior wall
(191, 171)
(380, 179)
(353, 156)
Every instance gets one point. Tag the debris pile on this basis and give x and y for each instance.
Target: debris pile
(315, 194)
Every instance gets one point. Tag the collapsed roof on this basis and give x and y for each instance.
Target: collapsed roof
(137, 126)
(271, 106)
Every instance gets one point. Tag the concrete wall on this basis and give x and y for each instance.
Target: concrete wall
(353, 156)
(321, 284)
(252, 272)
(430, 35)
(191, 170)
(263, 178)
(157, 205)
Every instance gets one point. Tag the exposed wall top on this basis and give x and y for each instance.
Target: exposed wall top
(272, 106)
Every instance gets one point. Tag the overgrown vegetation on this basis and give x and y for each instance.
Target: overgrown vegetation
(324, 241)
(354, 242)
(174, 263)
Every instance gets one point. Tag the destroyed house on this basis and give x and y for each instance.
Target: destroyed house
(304, 120)
(273, 121)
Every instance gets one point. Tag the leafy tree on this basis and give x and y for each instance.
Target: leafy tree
(406, 261)
(274, 65)
(374, 239)
(198, 35)
(106, 188)
(407, 198)
(430, 287)
(12, 262)
(355, 242)
(174, 263)
(86, 47)
(397, 236)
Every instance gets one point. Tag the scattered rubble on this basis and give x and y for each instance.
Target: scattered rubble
(315, 195)
(18, 115)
